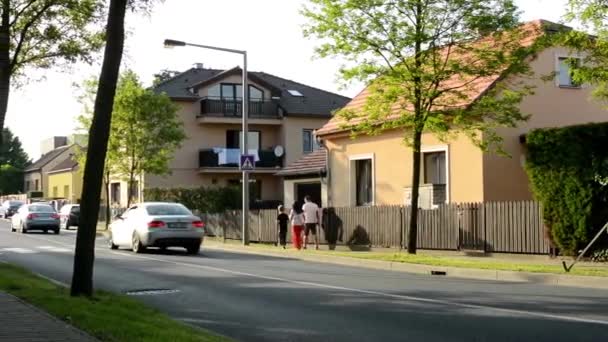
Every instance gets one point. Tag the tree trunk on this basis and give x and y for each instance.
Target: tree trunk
(82, 278)
(413, 232)
(5, 62)
(108, 209)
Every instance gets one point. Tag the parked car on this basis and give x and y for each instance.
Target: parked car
(69, 216)
(35, 217)
(156, 224)
(9, 208)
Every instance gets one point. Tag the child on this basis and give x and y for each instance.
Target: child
(297, 224)
(282, 221)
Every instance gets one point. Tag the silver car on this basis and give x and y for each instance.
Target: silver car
(156, 224)
(35, 216)
(9, 208)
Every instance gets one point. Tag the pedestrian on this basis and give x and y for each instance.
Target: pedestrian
(296, 215)
(311, 220)
(282, 223)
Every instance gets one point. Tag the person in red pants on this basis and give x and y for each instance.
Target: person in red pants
(297, 224)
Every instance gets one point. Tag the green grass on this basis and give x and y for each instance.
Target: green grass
(107, 316)
(453, 261)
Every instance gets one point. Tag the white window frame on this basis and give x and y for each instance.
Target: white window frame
(559, 56)
(352, 188)
(439, 148)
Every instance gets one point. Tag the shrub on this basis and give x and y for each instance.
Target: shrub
(568, 171)
(205, 200)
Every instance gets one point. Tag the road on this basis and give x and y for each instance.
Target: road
(258, 298)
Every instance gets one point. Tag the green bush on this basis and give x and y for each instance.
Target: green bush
(568, 171)
(205, 200)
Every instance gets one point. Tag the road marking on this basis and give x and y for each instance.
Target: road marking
(19, 250)
(55, 249)
(360, 291)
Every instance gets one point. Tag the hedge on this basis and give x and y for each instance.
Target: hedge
(203, 199)
(568, 171)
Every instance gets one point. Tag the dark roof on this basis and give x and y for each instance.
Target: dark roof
(45, 159)
(315, 102)
(309, 164)
(66, 164)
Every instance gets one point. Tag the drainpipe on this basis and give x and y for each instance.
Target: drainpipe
(327, 172)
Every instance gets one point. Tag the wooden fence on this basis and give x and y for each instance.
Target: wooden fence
(505, 227)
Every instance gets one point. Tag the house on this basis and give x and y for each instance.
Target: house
(65, 180)
(283, 115)
(377, 170)
(54, 151)
(306, 176)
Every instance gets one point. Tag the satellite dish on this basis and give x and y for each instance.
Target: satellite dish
(279, 151)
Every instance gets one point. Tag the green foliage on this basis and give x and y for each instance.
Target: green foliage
(422, 60)
(11, 180)
(163, 76)
(568, 171)
(11, 151)
(205, 200)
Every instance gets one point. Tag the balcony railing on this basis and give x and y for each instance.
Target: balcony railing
(230, 108)
(230, 158)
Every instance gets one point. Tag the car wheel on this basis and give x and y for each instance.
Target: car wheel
(111, 243)
(193, 249)
(23, 229)
(136, 245)
(56, 231)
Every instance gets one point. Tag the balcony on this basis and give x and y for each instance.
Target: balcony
(217, 110)
(226, 160)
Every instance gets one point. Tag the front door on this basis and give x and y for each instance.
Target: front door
(309, 189)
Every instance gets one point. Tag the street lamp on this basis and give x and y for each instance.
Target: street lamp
(245, 105)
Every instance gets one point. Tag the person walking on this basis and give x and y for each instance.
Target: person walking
(311, 220)
(296, 215)
(282, 223)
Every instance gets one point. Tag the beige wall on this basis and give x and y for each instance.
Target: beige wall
(550, 106)
(42, 175)
(32, 177)
(392, 167)
(289, 189)
(292, 135)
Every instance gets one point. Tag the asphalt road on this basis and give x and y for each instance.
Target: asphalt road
(257, 298)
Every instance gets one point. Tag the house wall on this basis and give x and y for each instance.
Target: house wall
(550, 106)
(393, 167)
(292, 135)
(60, 180)
(32, 177)
(289, 189)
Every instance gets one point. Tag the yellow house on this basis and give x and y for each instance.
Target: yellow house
(65, 181)
(377, 170)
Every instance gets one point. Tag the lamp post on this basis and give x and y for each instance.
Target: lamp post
(245, 115)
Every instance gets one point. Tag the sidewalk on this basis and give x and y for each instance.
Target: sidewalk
(325, 256)
(22, 322)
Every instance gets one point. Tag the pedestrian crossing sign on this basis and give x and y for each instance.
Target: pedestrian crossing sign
(247, 162)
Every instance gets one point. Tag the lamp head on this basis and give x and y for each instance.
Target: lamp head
(169, 43)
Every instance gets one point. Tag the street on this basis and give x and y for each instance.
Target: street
(258, 298)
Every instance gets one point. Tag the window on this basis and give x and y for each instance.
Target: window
(255, 94)
(294, 92)
(564, 73)
(309, 143)
(234, 141)
(55, 192)
(363, 181)
(214, 91)
(167, 210)
(66, 191)
(115, 193)
(37, 185)
(234, 92)
(434, 167)
(27, 186)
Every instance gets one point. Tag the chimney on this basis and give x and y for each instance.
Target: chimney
(198, 65)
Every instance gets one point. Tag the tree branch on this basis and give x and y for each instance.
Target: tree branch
(26, 28)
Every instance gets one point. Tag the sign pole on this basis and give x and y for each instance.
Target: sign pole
(245, 151)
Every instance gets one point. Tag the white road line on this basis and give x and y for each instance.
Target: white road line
(54, 249)
(368, 292)
(19, 250)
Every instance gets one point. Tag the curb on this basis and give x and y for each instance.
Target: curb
(561, 280)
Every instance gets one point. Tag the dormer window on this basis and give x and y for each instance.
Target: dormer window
(564, 73)
(233, 92)
(294, 92)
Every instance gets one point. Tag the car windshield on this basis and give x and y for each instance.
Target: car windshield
(15, 204)
(41, 209)
(167, 210)
(75, 209)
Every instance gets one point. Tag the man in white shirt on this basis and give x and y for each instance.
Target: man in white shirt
(311, 220)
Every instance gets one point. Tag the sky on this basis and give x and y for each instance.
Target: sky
(270, 31)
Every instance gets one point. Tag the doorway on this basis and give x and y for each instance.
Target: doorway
(311, 189)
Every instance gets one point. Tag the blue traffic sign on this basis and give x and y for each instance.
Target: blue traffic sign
(247, 162)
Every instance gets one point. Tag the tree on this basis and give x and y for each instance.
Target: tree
(145, 130)
(164, 75)
(11, 179)
(422, 60)
(42, 34)
(82, 276)
(11, 151)
(140, 116)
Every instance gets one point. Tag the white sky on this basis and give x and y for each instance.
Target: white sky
(270, 31)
